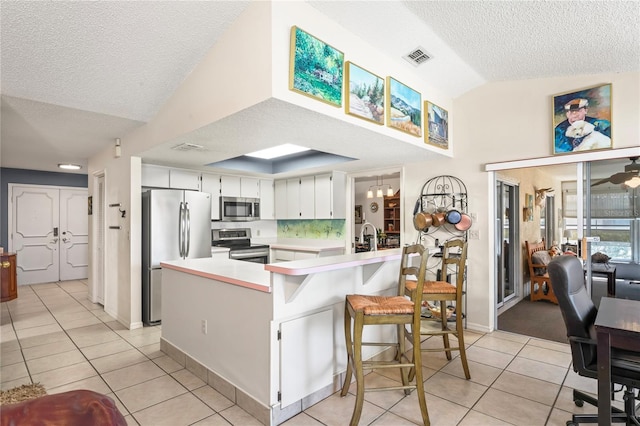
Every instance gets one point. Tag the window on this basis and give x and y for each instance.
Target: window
(614, 218)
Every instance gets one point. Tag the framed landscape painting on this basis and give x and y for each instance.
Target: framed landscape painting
(315, 68)
(365, 98)
(404, 108)
(582, 120)
(437, 129)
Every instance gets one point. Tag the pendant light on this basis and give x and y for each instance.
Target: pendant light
(379, 186)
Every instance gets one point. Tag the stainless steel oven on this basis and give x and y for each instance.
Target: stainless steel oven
(239, 243)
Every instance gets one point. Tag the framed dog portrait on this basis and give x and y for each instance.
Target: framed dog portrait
(582, 120)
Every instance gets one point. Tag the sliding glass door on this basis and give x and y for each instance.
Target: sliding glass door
(506, 243)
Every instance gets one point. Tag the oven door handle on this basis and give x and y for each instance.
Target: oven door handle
(243, 254)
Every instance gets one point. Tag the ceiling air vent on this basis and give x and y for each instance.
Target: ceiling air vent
(188, 147)
(417, 56)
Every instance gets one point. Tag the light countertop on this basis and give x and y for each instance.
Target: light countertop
(237, 272)
(258, 276)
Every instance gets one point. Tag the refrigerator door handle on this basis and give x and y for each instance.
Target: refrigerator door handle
(181, 230)
(187, 229)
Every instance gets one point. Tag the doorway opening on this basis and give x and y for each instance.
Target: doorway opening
(376, 211)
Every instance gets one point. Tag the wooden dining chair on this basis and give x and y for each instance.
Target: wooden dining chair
(538, 258)
(454, 258)
(366, 310)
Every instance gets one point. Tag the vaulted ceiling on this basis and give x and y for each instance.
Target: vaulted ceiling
(76, 75)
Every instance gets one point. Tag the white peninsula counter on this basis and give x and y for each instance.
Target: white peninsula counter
(269, 337)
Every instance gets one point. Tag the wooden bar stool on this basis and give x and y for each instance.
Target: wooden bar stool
(379, 310)
(454, 253)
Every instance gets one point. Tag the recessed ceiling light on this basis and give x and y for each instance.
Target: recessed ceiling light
(277, 151)
(69, 166)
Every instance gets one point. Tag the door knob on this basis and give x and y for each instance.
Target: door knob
(6, 264)
(65, 240)
(55, 240)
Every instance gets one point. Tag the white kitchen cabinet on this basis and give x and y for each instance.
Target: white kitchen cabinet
(211, 184)
(330, 196)
(267, 200)
(230, 186)
(293, 199)
(184, 179)
(306, 358)
(250, 187)
(155, 176)
(300, 198)
(280, 199)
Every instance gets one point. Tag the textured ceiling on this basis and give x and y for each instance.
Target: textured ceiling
(75, 75)
(516, 40)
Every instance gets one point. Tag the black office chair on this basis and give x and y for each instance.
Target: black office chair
(579, 314)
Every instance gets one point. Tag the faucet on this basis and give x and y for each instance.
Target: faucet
(375, 234)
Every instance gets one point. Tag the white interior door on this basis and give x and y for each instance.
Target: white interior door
(74, 235)
(49, 233)
(35, 233)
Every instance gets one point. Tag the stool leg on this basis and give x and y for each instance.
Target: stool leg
(357, 355)
(445, 337)
(404, 372)
(417, 367)
(349, 342)
(463, 349)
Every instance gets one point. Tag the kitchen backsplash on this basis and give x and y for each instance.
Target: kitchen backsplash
(321, 229)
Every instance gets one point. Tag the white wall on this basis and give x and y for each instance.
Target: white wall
(204, 97)
(508, 121)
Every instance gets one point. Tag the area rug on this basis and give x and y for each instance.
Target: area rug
(22, 393)
(539, 319)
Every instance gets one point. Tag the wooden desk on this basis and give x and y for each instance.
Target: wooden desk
(617, 325)
(608, 271)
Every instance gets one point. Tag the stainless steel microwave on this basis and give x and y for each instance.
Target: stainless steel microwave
(239, 209)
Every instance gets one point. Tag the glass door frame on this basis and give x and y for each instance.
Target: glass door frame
(513, 218)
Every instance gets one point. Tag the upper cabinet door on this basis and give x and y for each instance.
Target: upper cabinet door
(155, 176)
(250, 187)
(330, 196)
(230, 186)
(293, 199)
(307, 198)
(323, 197)
(280, 197)
(211, 184)
(184, 179)
(267, 199)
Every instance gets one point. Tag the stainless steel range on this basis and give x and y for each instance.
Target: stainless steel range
(239, 242)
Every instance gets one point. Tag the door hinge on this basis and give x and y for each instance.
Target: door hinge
(279, 396)
(279, 335)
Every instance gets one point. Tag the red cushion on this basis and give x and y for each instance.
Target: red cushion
(78, 407)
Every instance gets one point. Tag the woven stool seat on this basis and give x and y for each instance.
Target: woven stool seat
(433, 287)
(380, 305)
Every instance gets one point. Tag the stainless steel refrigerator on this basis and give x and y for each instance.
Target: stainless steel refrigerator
(176, 224)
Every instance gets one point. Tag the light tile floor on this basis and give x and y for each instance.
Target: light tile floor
(54, 335)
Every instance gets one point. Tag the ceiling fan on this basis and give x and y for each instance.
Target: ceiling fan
(630, 176)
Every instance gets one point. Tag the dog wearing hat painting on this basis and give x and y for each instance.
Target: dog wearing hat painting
(583, 120)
